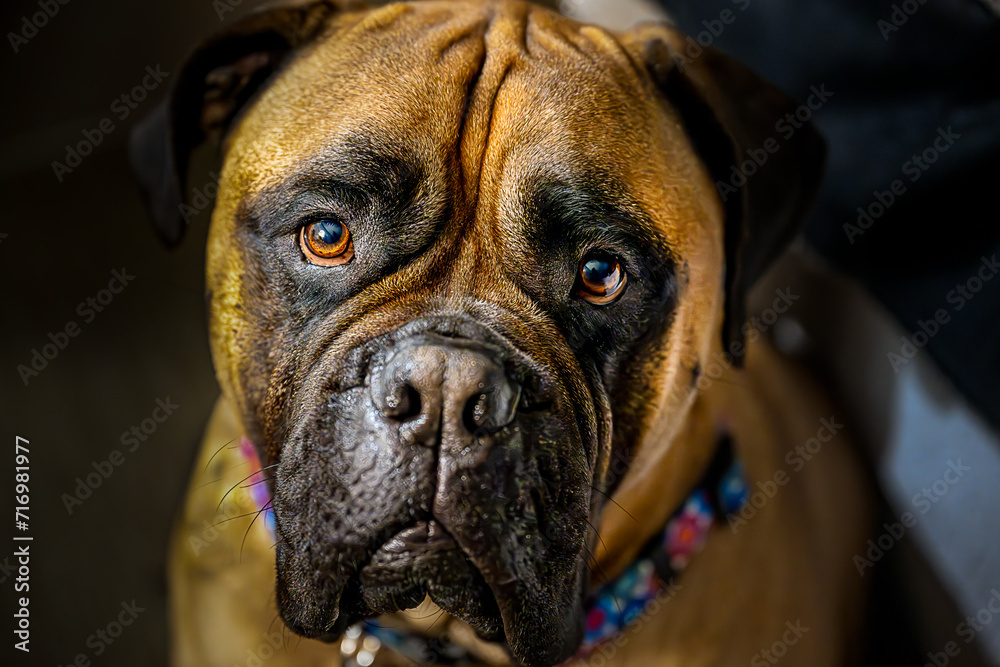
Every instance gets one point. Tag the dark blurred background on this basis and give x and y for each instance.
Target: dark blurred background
(64, 233)
(63, 240)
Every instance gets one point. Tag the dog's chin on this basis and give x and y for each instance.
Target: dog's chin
(425, 561)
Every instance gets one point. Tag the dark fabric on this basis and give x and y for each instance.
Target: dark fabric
(897, 86)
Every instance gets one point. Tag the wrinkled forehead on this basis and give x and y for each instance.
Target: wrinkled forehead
(502, 93)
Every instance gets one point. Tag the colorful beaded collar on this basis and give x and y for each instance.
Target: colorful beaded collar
(610, 610)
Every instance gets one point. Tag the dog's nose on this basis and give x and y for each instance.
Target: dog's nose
(436, 387)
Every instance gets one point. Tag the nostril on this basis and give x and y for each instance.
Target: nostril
(403, 403)
(476, 412)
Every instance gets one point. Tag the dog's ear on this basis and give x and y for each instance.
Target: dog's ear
(766, 167)
(213, 86)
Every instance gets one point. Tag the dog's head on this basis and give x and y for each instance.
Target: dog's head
(463, 254)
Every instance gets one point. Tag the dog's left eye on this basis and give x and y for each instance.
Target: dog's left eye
(326, 242)
(601, 279)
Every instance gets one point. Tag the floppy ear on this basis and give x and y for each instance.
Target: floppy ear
(736, 120)
(213, 86)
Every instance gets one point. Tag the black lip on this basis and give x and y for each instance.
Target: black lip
(424, 560)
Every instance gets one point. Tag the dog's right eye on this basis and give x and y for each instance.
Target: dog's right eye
(601, 279)
(326, 242)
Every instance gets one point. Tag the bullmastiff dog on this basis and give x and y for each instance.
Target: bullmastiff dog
(477, 278)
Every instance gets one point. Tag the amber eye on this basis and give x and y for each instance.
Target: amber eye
(326, 242)
(601, 279)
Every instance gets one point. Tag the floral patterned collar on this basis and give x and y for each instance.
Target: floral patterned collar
(611, 609)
